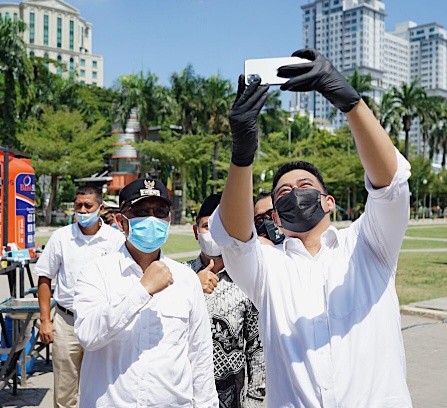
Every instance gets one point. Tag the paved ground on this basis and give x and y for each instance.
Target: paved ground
(424, 328)
(426, 349)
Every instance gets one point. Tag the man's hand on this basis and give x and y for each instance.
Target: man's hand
(46, 332)
(319, 75)
(243, 120)
(157, 277)
(208, 278)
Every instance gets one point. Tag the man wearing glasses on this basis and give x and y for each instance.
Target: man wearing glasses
(268, 232)
(141, 316)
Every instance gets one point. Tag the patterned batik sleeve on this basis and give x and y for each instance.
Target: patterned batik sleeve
(255, 359)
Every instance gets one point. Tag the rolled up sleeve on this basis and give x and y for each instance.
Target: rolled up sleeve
(387, 213)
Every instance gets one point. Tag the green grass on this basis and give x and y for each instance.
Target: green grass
(42, 240)
(422, 244)
(427, 231)
(180, 243)
(421, 275)
(175, 243)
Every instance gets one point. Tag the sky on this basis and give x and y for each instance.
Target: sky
(215, 36)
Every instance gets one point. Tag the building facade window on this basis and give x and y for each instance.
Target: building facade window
(16, 17)
(59, 32)
(82, 62)
(7, 16)
(46, 24)
(94, 75)
(72, 67)
(82, 73)
(94, 64)
(31, 27)
(59, 65)
(46, 60)
(71, 35)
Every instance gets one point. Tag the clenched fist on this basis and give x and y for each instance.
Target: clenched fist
(157, 277)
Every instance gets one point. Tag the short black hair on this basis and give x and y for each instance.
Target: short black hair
(298, 165)
(85, 190)
(262, 195)
(208, 206)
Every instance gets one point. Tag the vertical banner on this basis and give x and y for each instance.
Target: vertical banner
(25, 192)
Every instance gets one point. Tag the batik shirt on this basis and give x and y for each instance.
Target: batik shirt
(237, 349)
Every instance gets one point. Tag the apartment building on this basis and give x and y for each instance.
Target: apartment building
(351, 33)
(56, 30)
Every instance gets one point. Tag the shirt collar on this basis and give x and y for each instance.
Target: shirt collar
(329, 238)
(100, 234)
(127, 260)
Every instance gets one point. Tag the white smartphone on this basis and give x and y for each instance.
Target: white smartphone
(267, 69)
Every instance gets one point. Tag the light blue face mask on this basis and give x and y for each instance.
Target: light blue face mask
(86, 220)
(147, 234)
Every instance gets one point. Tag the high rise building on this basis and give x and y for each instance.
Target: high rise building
(351, 33)
(56, 30)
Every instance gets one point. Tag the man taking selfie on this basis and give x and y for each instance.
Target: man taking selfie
(328, 310)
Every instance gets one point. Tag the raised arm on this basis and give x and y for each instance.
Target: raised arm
(374, 146)
(236, 206)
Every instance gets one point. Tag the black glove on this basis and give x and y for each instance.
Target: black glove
(243, 116)
(319, 75)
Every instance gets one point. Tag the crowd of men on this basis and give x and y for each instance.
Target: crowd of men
(278, 306)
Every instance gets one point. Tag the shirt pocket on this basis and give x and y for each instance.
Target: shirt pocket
(174, 320)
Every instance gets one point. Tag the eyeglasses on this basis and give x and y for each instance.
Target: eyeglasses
(158, 212)
(259, 218)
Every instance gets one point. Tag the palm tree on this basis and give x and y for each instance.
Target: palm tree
(389, 117)
(187, 91)
(143, 93)
(408, 100)
(430, 113)
(363, 85)
(438, 140)
(16, 70)
(273, 117)
(217, 98)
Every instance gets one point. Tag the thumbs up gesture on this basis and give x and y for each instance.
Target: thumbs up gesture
(208, 278)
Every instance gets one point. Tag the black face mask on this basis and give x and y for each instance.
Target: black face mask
(269, 230)
(300, 210)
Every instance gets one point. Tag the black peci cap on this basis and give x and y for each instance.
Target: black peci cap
(208, 206)
(143, 188)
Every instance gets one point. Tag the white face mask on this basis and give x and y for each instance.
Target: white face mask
(88, 219)
(208, 245)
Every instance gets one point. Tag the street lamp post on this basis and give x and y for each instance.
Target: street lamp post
(289, 133)
(416, 216)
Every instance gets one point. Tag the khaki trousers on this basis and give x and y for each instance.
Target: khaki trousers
(67, 359)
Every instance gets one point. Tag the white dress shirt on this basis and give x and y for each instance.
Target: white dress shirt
(330, 323)
(67, 250)
(142, 350)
